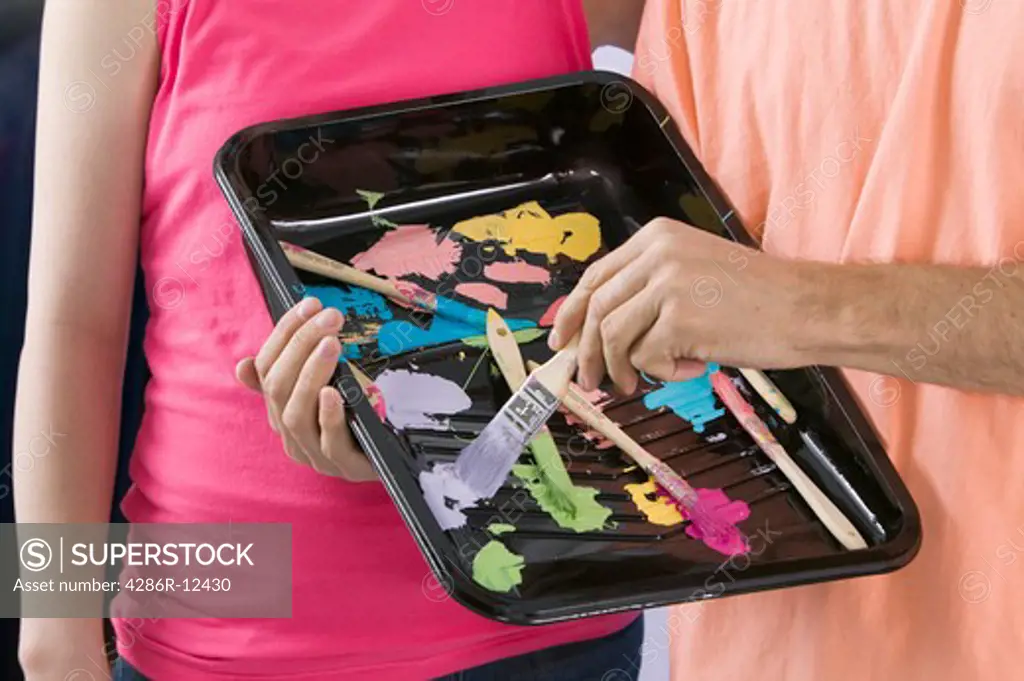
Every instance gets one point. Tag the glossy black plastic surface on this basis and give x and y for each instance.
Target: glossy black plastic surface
(588, 142)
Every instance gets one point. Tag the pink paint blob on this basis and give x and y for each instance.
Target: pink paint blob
(598, 398)
(718, 531)
(488, 294)
(376, 398)
(548, 318)
(410, 249)
(517, 272)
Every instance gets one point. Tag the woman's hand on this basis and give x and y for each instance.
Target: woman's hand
(673, 297)
(291, 371)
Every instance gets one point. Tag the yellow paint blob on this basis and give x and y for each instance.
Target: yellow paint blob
(528, 227)
(660, 511)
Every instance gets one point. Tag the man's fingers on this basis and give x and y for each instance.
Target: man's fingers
(620, 332)
(609, 297)
(283, 331)
(655, 354)
(573, 311)
(336, 441)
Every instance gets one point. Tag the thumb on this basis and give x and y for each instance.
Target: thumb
(245, 372)
(685, 369)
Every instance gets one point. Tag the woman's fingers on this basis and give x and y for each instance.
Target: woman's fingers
(279, 382)
(299, 415)
(245, 372)
(283, 331)
(336, 441)
(624, 285)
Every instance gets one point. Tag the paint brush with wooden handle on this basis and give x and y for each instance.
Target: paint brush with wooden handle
(682, 492)
(505, 349)
(402, 292)
(764, 387)
(827, 512)
(484, 465)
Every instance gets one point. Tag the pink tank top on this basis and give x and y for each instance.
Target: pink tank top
(363, 606)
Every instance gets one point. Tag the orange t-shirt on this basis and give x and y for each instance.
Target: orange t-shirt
(873, 130)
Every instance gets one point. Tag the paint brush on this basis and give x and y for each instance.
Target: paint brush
(373, 394)
(770, 394)
(404, 293)
(505, 349)
(827, 512)
(682, 492)
(484, 465)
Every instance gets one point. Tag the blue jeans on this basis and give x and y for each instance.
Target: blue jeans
(613, 658)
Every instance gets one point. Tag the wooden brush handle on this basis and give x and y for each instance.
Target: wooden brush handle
(505, 348)
(827, 512)
(309, 261)
(556, 373)
(673, 483)
(771, 394)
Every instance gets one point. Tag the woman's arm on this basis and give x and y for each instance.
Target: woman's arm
(88, 181)
(614, 22)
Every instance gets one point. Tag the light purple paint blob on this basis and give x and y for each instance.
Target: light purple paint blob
(446, 495)
(415, 400)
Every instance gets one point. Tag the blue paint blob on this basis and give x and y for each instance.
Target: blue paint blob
(353, 302)
(693, 400)
(453, 321)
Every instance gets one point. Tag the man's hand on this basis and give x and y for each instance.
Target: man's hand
(674, 296)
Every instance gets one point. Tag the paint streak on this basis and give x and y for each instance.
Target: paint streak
(528, 227)
(364, 311)
(410, 249)
(453, 322)
(692, 400)
(488, 294)
(446, 495)
(517, 272)
(576, 509)
(572, 507)
(659, 510)
(725, 537)
(496, 568)
(522, 336)
(598, 398)
(548, 318)
(420, 400)
(377, 401)
(500, 528)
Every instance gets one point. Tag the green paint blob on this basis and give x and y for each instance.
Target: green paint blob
(521, 336)
(500, 528)
(371, 198)
(496, 568)
(572, 507)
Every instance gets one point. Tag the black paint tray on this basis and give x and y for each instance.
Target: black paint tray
(601, 144)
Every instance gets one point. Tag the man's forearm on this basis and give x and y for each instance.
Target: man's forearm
(962, 327)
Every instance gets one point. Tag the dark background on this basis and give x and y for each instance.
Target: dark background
(19, 66)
